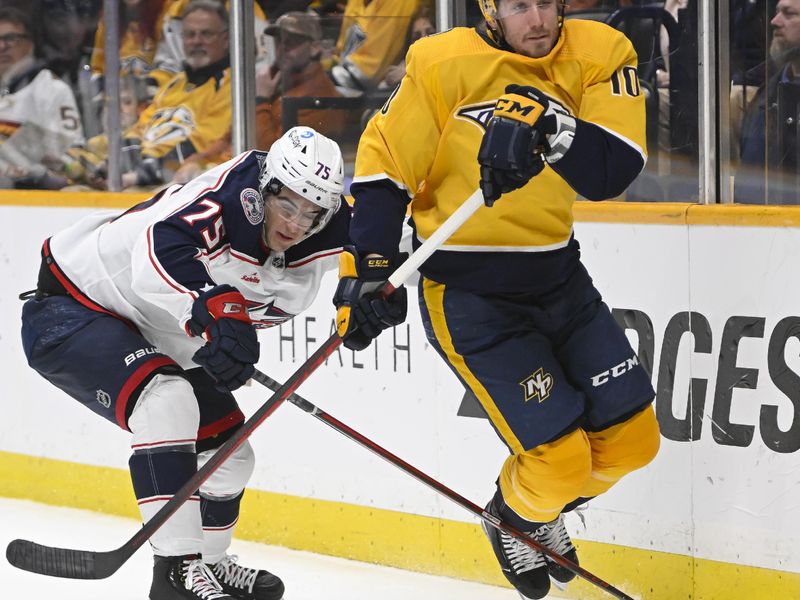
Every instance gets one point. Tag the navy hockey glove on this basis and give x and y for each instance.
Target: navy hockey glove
(518, 140)
(361, 312)
(231, 349)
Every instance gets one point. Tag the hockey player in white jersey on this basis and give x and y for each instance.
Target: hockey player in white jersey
(128, 305)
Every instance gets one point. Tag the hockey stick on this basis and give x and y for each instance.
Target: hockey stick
(86, 564)
(420, 476)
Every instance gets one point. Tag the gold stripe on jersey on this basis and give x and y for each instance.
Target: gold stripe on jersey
(428, 134)
(434, 301)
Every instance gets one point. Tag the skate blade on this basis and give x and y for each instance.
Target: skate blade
(559, 584)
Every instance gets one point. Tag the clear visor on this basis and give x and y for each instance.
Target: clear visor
(513, 8)
(289, 210)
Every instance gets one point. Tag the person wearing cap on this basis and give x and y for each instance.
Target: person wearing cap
(296, 72)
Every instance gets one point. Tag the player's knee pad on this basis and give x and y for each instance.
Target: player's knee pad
(622, 448)
(231, 477)
(166, 414)
(537, 483)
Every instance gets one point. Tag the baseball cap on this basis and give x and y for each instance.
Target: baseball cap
(299, 23)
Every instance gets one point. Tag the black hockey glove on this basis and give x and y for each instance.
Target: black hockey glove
(361, 312)
(513, 147)
(231, 350)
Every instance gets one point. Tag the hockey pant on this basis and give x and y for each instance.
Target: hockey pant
(558, 381)
(176, 416)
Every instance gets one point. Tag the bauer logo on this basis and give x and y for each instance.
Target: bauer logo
(103, 398)
(537, 385)
(253, 205)
(140, 353)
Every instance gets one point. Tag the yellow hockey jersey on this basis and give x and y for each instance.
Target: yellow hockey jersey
(185, 118)
(426, 137)
(373, 35)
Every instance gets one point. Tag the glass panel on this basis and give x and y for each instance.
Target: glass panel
(334, 72)
(765, 100)
(40, 57)
(664, 35)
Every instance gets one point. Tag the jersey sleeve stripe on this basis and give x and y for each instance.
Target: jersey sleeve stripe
(381, 177)
(622, 138)
(161, 271)
(314, 257)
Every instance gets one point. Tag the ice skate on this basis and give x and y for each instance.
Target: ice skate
(244, 583)
(184, 578)
(554, 535)
(524, 567)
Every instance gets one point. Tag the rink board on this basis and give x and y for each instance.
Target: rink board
(711, 300)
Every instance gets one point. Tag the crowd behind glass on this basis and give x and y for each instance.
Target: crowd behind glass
(331, 64)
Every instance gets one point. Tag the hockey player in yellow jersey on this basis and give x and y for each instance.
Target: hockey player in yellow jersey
(537, 110)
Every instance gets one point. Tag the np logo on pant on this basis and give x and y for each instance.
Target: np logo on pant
(537, 385)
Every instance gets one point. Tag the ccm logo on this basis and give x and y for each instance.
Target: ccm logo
(141, 352)
(615, 371)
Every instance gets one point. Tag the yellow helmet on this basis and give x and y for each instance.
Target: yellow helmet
(489, 11)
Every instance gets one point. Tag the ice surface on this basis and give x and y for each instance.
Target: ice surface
(307, 576)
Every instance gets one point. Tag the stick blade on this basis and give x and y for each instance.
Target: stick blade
(56, 562)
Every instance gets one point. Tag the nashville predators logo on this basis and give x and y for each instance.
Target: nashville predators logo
(537, 385)
(477, 114)
(169, 126)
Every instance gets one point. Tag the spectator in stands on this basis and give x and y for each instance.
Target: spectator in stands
(372, 38)
(188, 114)
(296, 72)
(139, 33)
(140, 25)
(422, 25)
(769, 172)
(170, 53)
(662, 73)
(39, 118)
(66, 33)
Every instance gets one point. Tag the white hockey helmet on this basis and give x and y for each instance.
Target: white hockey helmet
(309, 164)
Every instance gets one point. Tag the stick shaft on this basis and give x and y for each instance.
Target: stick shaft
(437, 486)
(86, 564)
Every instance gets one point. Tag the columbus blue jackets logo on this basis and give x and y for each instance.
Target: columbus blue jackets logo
(253, 205)
(537, 385)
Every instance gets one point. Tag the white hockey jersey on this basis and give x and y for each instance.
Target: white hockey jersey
(149, 264)
(39, 120)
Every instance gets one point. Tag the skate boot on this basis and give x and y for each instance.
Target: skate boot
(524, 567)
(554, 535)
(184, 578)
(244, 583)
